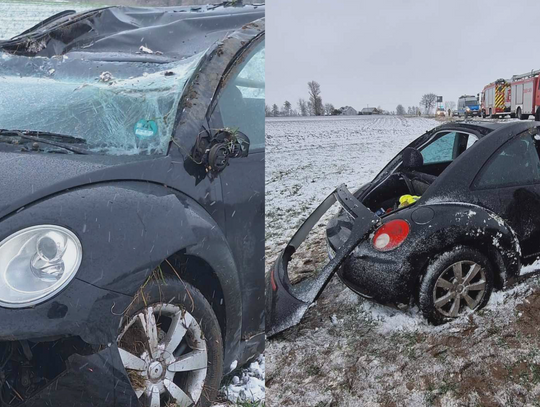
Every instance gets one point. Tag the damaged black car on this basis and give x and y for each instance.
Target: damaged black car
(132, 206)
(451, 218)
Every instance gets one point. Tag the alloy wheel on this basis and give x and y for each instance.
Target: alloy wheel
(165, 354)
(459, 288)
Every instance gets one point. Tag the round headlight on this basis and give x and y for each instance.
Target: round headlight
(36, 263)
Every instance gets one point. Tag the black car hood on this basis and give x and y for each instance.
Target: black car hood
(28, 177)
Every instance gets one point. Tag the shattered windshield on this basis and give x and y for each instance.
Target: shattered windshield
(119, 108)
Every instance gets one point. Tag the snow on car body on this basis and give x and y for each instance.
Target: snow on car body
(132, 155)
(470, 227)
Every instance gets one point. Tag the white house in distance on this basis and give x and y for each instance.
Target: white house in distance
(370, 110)
(348, 111)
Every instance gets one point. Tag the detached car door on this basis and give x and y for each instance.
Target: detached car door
(240, 106)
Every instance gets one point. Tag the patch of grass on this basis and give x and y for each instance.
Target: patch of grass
(313, 370)
(251, 404)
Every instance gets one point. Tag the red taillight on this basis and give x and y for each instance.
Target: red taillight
(391, 235)
(273, 281)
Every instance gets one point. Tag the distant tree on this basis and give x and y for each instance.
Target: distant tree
(336, 112)
(303, 107)
(275, 110)
(287, 108)
(400, 110)
(267, 111)
(328, 109)
(428, 102)
(315, 98)
(310, 108)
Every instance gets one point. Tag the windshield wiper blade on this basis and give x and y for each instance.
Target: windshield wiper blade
(53, 139)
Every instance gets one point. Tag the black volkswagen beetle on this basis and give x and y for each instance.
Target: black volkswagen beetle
(451, 218)
(131, 213)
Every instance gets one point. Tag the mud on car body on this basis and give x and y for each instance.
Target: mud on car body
(449, 219)
(131, 215)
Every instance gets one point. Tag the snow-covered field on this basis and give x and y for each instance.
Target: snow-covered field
(17, 16)
(351, 352)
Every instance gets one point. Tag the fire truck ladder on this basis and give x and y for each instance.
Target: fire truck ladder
(526, 75)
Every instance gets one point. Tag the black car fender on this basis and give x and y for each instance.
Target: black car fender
(441, 227)
(127, 229)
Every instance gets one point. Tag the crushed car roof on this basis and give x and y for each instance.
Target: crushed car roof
(115, 68)
(118, 33)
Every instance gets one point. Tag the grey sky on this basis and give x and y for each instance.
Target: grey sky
(393, 51)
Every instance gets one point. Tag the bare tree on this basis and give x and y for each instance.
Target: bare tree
(287, 108)
(303, 107)
(315, 98)
(400, 110)
(428, 102)
(275, 110)
(328, 109)
(267, 111)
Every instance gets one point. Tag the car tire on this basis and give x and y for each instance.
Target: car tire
(164, 294)
(537, 115)
(438, 300)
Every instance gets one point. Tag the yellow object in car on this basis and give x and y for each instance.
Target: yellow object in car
(405, 200)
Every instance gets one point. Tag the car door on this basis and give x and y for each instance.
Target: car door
(509, 185)
(240, 106)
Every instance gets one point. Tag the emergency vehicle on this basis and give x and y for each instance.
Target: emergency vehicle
(468, 106)
(496, 99)
(525, 98)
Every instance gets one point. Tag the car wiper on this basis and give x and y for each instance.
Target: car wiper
(53, 139)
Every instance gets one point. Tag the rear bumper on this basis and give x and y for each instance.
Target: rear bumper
(383, 279)
(287, 303)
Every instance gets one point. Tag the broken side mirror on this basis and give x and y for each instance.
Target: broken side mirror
(215, 150)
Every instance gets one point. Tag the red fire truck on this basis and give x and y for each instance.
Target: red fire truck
(496, 99)
(525, 99)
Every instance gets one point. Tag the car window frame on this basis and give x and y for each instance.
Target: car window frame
(214, 118)
(455, 148)
(474, 184)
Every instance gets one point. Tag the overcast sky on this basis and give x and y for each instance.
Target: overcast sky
(393, 51)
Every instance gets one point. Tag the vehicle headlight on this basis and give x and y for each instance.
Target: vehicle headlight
(36, 263)
(468, 109)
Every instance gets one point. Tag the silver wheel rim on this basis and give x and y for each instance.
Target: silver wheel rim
(459, 288)
(164, 352)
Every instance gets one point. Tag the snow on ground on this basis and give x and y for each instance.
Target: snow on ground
(247, 384)
(350, 352)
(307, 158)
(18, 16)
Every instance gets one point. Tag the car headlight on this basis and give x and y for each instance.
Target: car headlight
(468, 109)
(36, 263)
